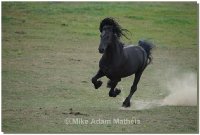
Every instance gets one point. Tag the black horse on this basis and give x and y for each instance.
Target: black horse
(120, 61)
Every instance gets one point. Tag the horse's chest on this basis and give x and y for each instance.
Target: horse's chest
(106, 70)
(110, 68)
(110, 72)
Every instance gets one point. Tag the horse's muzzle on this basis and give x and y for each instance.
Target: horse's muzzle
(101, 50)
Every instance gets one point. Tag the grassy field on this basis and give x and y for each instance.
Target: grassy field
(49, 54)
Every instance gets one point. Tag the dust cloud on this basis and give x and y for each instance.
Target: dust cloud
(182, 90)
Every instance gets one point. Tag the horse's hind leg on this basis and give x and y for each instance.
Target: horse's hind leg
(126, 102)
(113, 91)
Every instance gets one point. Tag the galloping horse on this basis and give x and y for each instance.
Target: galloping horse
(120, 61)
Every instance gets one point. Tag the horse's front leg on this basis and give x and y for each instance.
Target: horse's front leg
(126, 102)
(97, 83)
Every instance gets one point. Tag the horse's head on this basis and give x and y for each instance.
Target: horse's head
(106, 38)
(110, 31)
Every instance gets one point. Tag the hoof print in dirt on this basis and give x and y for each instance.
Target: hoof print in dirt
(75, 113)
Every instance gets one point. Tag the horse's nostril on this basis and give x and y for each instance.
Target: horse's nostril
(101, 50)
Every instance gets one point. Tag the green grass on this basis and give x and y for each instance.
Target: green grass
(49, 54)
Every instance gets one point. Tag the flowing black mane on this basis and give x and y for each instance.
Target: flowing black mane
(116, 27)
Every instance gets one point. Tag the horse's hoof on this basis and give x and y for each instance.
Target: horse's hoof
(98, 84)
(112, 94)
(126, 103)
(117, 91)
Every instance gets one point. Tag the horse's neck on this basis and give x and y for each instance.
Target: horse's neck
(117, 51)
(115, 54)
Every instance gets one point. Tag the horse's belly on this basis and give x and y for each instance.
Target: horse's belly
(113, 75)
(119, 74)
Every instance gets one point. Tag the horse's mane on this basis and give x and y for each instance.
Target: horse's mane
(116, 27)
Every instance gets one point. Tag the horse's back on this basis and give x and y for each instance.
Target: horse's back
(132, 51)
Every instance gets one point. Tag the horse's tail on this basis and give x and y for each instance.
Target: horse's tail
(147, 46)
